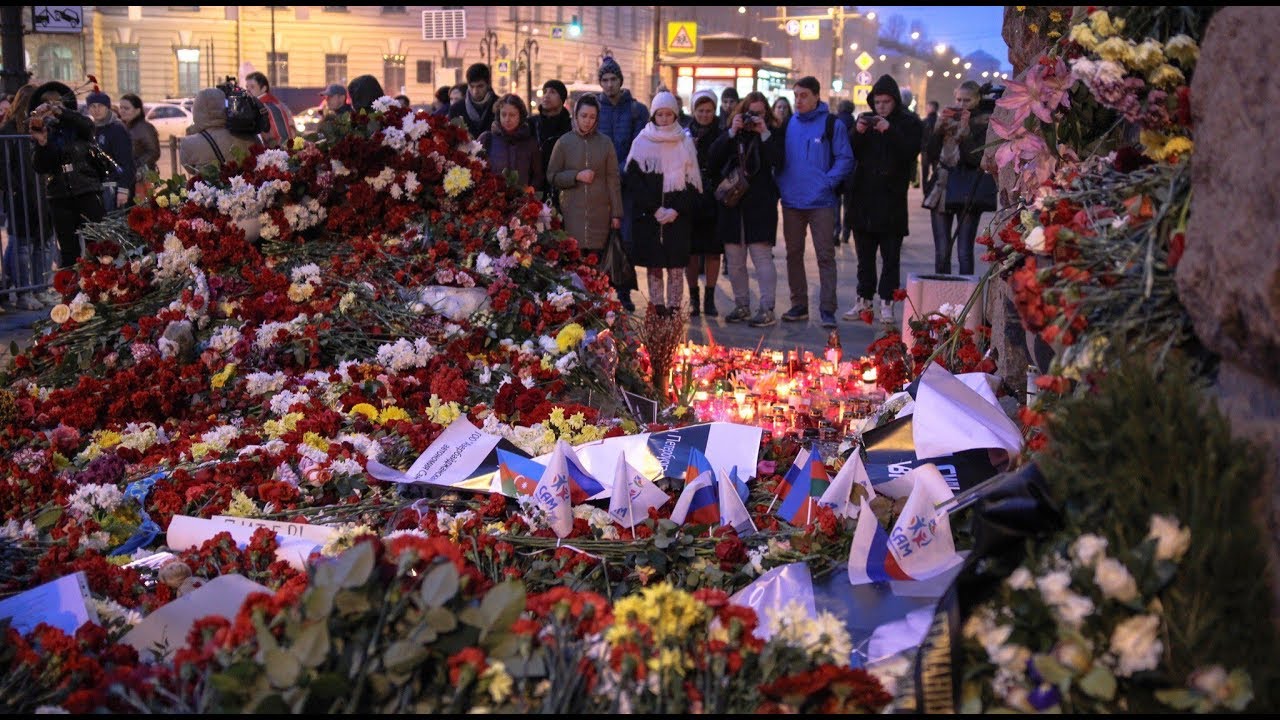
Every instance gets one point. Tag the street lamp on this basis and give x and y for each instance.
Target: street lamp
(955, 61)
(928, 73)
(488, 45)
(940, 48)
(871, 16)
(968, 65)
(915, 35)
(742, 10)
(853, 46)
(526, 55)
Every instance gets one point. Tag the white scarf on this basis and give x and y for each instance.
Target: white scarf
(667, 150)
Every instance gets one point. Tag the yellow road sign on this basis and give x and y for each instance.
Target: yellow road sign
(860, 93)
(809, 29)
(864, 61)
(682, 37)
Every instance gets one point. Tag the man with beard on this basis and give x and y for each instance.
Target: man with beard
(476, 106)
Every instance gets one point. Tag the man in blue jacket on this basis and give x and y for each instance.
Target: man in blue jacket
(816, 159)
(622, 117)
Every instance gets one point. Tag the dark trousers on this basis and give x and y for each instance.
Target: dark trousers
(966, 233)
(68, 215)
(890, 247)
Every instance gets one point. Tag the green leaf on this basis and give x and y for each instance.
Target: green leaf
(1052, 670)
(403, 656)
(441, 619)
(227, 685)
(282, 668)
(319, 602)
(1178, 698)
(439, 585)
(350, 569)
(311, 647)
(502, 606)
(48, 518)
(351, 603)
(1098, 683)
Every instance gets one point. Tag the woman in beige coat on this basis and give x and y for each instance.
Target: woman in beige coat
(208, 141)
(584, 166)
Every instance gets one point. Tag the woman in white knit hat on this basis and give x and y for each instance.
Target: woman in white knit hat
(663, 176)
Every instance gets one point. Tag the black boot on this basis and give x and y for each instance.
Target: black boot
(693, 301)
(709, 304)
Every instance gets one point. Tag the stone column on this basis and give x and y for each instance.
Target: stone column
(1229, 276)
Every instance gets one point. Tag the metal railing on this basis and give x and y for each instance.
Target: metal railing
(30, 244)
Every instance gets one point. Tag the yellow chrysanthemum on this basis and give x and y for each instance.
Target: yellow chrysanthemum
(392, 413)
(500, 682)
(199, 450)
(299, 143)
(288, 423)
(569, 337)
(1182, 49)
(1116, 49)
(1166, 76)
(1104, 25)
(314, 440)
(300, 292)
(1178, 147)
(456, 180)
(241, 505)
(1084, 37)
(84, 313)
(669, 660)
(556, 419)
(108, 439)
(366, 410)
(162, 201)
(1148, 55)
(220, 379)
(442, 413)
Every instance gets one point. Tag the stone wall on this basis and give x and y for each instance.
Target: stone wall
(1229, 276)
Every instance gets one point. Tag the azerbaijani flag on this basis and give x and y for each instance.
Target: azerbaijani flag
(699, 502)
(802, 487)
(519, 475)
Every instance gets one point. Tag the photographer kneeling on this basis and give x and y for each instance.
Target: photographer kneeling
(752, 145)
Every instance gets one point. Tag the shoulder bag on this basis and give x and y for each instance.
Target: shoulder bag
(735, 184)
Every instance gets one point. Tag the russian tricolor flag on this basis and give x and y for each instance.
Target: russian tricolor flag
(920, 545)
(699, 503)
(802, 487)
(582, 485)
(519, 475)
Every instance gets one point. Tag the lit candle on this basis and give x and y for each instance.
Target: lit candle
(869, 375)
(700, 395)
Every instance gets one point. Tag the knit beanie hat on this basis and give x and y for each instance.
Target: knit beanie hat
(609, 67)
(558, 87)
(701, 95)
(662, 100)
(731, 93)
(100, 98)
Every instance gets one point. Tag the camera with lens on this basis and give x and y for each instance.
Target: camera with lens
(988, 94)
(869, 118)
(749, 120)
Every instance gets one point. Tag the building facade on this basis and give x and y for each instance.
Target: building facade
(171, 51)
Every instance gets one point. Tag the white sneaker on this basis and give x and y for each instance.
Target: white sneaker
(886, 313)
(49, 298)
(26, 301)
(855, 312)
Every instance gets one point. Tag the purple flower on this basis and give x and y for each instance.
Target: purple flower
(1044, 697)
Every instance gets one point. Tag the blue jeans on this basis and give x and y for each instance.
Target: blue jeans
(966, 233)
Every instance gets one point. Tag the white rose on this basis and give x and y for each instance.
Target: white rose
(1053, 586)
(1021, 579)
(1035, 240)
(1087, 548)
(1136, 644)
(1171, 540)
(1072, 609)
(1114, 580)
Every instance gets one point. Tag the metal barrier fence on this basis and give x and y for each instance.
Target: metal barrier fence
(30, 245)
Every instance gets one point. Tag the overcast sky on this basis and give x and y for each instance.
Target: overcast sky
(967, 27)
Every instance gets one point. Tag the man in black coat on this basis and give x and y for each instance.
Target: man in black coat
(885, 143)
(476, 106)
(928, 165)
(62, 155)
(549, 124)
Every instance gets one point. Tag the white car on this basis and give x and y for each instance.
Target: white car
(171, 119)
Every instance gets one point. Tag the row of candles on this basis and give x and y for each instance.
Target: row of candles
(781, 391)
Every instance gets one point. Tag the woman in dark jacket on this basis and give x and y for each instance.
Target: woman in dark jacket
(63, 137)
(750, 227)
(510, 145)
(957, 142)
(706, 247)
(363, 91)
(663, 178)
(146, 141)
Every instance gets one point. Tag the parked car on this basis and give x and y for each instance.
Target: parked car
(307, 121)
(171, 119)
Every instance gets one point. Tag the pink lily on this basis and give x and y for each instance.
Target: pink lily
(1055, 89)
(1021, 97)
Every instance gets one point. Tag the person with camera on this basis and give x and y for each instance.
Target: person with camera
(112, 136)
(706, 248)
(753, 146)
(662, 173)
(63, 154)
(956, 145)
(885, 143)
(208, 140)
(816, 161)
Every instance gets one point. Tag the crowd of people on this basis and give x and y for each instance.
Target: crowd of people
(652, 175)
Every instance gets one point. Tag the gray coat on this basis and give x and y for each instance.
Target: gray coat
(587, 209)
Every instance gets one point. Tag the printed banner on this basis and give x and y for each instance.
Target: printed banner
(891, 455)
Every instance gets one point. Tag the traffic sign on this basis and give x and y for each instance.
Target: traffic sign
(682, 37)
(57, 18)
(504, 66)
(862, 78)
(864, 61)
(809, 30)
(557, 32)
(793, 27)
(860, 94)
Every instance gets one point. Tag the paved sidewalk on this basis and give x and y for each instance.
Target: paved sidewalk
(17, 326)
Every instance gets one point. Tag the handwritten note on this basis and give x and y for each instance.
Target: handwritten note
(64, 603)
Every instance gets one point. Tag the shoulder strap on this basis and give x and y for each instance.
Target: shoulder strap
(829, 137)
(216, 151)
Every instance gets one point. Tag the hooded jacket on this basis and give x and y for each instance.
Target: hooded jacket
(812, 170)
(622, 122)
(517, 151)
(363, 91)
(587, 208)
(209, 114)
(64, 159)
(884, 166)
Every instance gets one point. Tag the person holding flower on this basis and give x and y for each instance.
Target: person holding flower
(584, 168)
(509, 144)
(662, 173)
